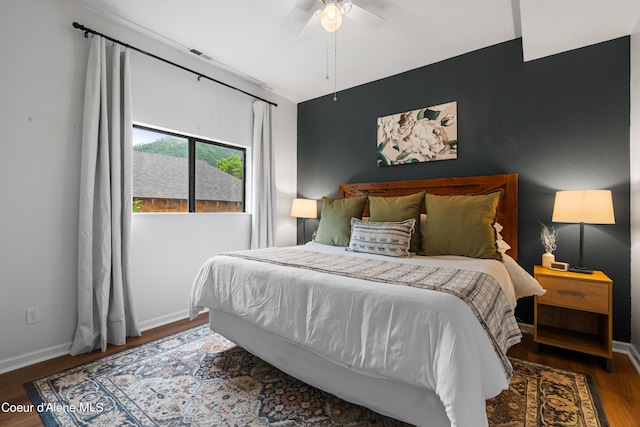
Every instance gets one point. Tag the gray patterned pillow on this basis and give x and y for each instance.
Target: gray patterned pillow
(381, 238)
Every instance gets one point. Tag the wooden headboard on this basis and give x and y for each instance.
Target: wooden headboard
(507, 209)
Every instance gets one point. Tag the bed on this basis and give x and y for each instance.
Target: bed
(420, 338)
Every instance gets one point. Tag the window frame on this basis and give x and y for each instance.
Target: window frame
(191, 160)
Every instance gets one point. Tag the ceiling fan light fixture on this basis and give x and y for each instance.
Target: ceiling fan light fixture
(331, 17)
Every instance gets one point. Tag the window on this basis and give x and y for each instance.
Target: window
(177, 173)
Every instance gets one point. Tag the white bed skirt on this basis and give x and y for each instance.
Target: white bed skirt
(404, 402)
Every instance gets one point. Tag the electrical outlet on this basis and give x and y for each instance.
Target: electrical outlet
(33, 315)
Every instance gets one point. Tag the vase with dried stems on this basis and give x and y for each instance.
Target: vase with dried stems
(548, 237)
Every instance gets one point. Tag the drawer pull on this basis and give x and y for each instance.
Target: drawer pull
(574, 294)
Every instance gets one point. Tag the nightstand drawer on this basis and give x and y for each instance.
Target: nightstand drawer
(575, 294)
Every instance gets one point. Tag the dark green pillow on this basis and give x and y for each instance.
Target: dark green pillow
(335, 219)
(396, 209)
(462, 225)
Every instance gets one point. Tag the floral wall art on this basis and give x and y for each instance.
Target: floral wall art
(422, 135)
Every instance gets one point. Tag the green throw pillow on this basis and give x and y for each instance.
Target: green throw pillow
(335, 219)
(462, 225)
(396, 209)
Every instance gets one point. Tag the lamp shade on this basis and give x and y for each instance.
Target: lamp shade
(586, 206)
(331, 17)
(304, 208)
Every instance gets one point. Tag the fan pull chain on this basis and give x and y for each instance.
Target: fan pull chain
(335, 67)
(327, 45)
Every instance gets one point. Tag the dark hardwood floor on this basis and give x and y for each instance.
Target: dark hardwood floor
(619, 390)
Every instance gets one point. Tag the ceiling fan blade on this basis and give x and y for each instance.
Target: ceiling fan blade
(356, 10)
(310, 27)
(306, 5)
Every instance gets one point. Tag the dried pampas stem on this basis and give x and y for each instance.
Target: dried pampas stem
(548, 237)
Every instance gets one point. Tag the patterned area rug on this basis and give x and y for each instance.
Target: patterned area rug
(198, 378)
(541, 395)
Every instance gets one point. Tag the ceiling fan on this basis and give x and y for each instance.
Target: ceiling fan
(329, 15)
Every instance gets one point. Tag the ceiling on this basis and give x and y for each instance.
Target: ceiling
(260, 39)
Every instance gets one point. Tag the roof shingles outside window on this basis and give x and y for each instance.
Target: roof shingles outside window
(157, 176)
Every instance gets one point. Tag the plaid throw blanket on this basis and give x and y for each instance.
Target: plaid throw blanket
(481, 292)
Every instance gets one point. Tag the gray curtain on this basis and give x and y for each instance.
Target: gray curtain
(105, 310)
(263, 200)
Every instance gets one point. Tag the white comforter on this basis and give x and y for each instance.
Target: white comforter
(425, 338)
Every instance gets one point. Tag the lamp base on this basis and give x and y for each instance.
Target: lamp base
(582, 270)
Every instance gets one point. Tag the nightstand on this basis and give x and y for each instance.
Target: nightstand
(575, 313)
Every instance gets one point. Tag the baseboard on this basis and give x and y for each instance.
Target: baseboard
(630, 351)
(17, 362)
(163, 320)
(23, 360)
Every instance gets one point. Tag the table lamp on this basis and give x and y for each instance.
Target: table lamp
(583, 206)
(304, 208)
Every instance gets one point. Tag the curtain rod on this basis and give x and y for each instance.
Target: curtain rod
(200, 75)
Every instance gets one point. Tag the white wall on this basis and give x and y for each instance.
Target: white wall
(168, 250)
(42, 83)
(635, 187)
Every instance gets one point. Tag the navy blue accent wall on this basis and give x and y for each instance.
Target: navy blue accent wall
(560, 122)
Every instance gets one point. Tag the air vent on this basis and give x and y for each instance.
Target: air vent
(200, 54)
